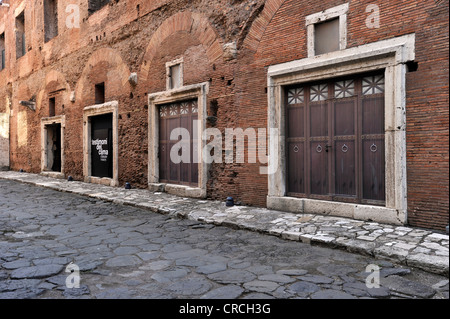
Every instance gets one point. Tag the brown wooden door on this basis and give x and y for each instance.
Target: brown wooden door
(173, 116)
(335, 140)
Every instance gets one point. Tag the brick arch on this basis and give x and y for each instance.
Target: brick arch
(54, 80)
(195, 24)
(116, 72)
(260, 24)
(57, 77)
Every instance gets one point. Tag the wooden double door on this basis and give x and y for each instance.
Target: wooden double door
(172, 117)
(336, 140)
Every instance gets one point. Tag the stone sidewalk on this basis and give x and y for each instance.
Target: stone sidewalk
(424, 249)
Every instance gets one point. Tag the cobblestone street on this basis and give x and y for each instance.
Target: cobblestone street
(128, 252)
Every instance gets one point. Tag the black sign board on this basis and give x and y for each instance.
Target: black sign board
(102, 146)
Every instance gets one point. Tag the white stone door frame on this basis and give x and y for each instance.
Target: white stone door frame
(195, 91)
(45, 122)
(89, 112)
(389, 55)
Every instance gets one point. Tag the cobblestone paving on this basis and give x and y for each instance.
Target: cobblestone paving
(412, 247)
(128, 252)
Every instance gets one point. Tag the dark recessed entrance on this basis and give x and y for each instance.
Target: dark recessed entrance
(102, 146)
(53, 147)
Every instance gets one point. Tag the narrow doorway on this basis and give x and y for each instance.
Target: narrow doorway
(53, 147)
(102, 146)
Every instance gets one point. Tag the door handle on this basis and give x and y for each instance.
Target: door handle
(327, 147)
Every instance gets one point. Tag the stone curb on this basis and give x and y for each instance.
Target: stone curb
(413, 247)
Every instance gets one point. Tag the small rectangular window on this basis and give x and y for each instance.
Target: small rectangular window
(50, 19)
(51, 107)
(20, 35)
(2, 52)
(175, 76)
(100, 93)
(327, 30)
(326, 36)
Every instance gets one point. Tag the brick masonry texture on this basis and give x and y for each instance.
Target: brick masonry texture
(131, 36)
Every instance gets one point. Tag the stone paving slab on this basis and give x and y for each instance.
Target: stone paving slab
(424, 249)
(126, 252)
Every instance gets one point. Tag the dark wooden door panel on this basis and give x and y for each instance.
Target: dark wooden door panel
(178, 116)
(194, 146)
(173, 123)
(344, 117)
(163, 150)
(373, 169)
(319, 168)
(335, 140)
(373, 153)
(296, 122)
(345, 168)
(174, 168)
(373, 115)
(296, 177)
(163, 158)
(344, 149)
(319, 119)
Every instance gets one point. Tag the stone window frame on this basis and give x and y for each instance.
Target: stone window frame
(323, 16)
(389, 55)
(169, 65)
(195, 91)
(60, 119)
(89, 112)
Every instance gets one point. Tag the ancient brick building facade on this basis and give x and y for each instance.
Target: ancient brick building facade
(356, 92)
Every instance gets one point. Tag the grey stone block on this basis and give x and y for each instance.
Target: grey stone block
(331, 294)
(407, 287)
(36, 272)
(123, 261)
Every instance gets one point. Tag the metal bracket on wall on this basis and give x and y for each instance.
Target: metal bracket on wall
(30, 104)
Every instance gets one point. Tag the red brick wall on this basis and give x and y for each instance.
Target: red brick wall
(428, 119)
(281, 37)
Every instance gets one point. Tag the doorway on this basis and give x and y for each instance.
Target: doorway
(102, 145)
(336, 140)
(173, 116)
(54, 147)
